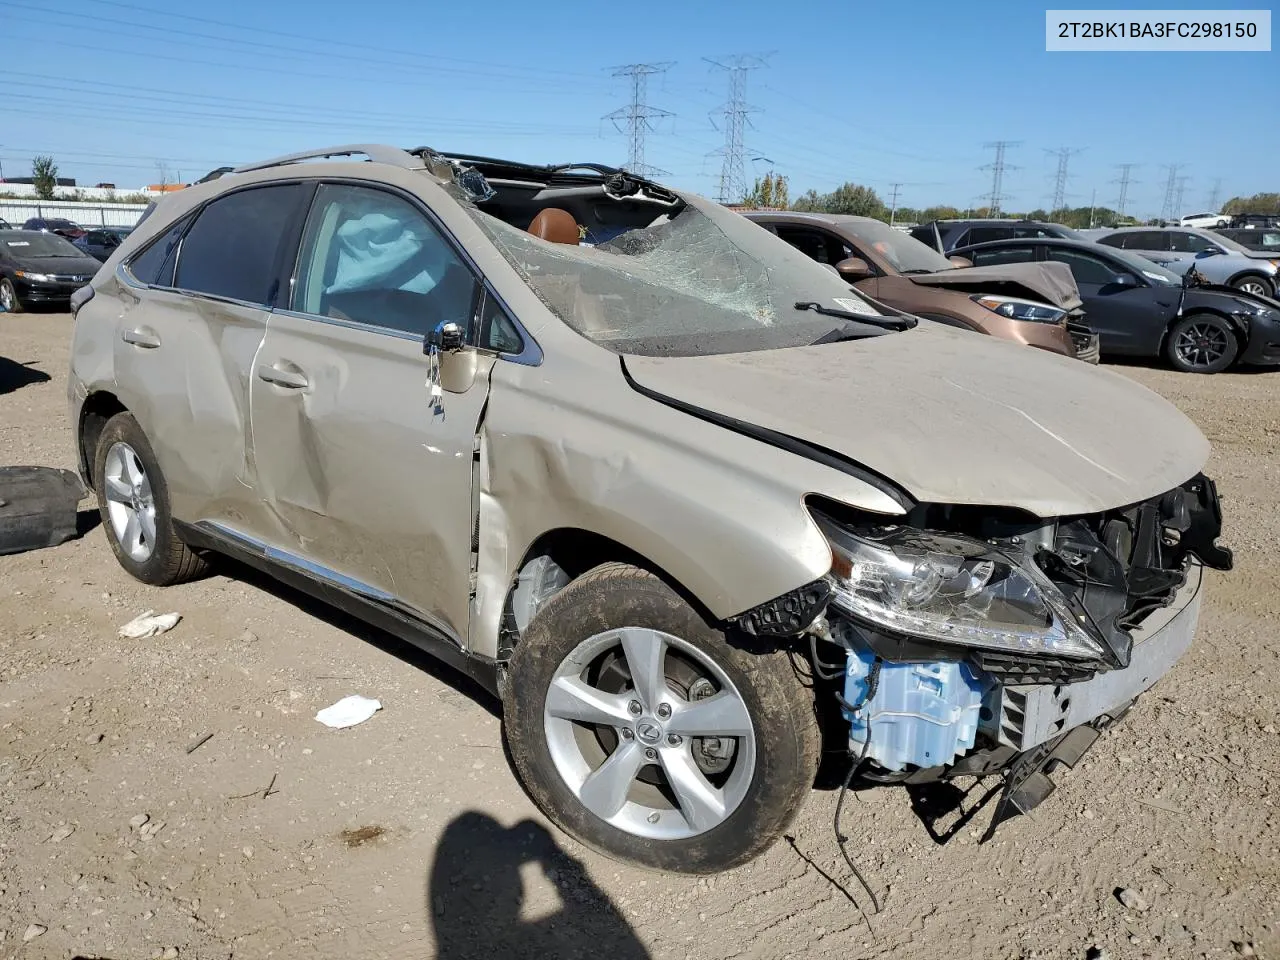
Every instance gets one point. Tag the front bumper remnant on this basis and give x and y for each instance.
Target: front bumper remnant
(1027, 783)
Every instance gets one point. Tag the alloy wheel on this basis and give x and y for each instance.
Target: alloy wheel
(1202, 344)
(649, 733)
(6, 296)
(1256, 287)
(131, 505)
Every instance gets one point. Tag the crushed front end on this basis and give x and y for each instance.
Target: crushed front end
(977, 643)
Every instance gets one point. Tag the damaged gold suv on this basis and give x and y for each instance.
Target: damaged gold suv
(688, 502)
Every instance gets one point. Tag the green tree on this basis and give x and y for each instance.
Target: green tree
(769, 191)
(940, 213)
(857, 200)
(1265, 203)
(809, 202)
(45, 174)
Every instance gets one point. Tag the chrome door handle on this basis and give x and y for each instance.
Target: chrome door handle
(294, 379)
(143, 337)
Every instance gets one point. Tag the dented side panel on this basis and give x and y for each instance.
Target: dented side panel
(185, 377)
(359, 473)
(570, 445)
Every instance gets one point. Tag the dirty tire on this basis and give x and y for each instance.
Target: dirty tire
(787, 741)
(171, 561)
(1220, 339)
(9, 296)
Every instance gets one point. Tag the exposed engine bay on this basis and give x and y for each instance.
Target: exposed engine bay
(976, 644)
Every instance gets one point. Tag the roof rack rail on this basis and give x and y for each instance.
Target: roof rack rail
(378, 153)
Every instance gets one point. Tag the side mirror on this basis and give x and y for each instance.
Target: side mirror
(960, 262)
(853, 269)
(457, 362)
(1124, 280)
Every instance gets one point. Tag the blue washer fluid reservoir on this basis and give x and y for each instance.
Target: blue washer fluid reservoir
(923, 714)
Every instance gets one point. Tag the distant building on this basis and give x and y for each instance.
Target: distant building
(31, 181)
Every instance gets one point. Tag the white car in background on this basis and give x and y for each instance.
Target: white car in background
(1205, 220)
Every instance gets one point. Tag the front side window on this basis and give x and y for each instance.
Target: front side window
(1191, 243)
(231, 250)
(987, 234)
(1012, 254)
(371, 257)
(1084, 268)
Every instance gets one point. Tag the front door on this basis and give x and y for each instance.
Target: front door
(369, 481)
(1126, 318)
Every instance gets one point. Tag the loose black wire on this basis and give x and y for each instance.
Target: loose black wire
(873, 683)
(825, 671)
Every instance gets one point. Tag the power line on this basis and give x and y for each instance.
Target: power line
(639, 116)
(1060, 178)
(1124, 181)
(733, 177)
(997, 168)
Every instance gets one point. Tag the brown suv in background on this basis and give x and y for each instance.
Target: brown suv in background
(1035, 307)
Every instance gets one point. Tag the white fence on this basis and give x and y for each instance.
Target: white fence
(18, 212)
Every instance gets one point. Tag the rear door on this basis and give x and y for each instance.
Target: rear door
(1127, 319)
(185, 347)
(369, 482)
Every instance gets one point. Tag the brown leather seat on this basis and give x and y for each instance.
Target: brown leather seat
(556, 226)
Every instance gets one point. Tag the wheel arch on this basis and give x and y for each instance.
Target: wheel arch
(99, 407)
(1237, 327)
(1249, 272)
(576, 551)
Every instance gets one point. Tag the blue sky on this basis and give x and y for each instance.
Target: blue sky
(862, 91)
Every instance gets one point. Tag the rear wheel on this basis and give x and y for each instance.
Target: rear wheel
(642, 732)
(1257, 285)
(9, 296)
(133, 500)
(1201, 343)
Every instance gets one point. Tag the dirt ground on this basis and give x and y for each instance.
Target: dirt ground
(408, 836)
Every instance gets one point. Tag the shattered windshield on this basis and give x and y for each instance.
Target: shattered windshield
(703, 280)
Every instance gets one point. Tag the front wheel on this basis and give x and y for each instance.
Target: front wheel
(638, 729)
(1201, 343)
(9, 296)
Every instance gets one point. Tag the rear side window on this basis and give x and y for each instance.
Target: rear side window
(1084, 268)
(231, 250)
(154, 265)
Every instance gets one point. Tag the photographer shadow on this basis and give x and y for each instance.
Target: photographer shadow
(477, 898)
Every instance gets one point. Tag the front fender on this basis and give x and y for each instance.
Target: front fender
(720, 512)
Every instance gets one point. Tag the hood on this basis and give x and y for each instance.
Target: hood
(83, 266)
(953, 417)
(1050, 283)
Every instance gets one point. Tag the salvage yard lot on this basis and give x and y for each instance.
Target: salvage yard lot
(408, 836)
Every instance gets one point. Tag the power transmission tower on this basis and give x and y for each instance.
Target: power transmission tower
(639, 116)
(1124, 181)
(735, 110)
(1215, 195)
(1060, 179)
(893, 202)
(1178, 193)
(997, 168)
(1170, 191)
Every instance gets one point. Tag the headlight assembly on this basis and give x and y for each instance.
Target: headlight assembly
(1016, 309)
(37, 277)
(954, 590)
